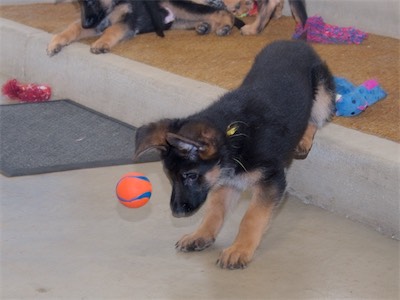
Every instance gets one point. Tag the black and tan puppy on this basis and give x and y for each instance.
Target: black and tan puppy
(266, 9)
(246, 139)
(115, 20)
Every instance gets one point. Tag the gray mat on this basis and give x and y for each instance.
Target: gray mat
(61, 135)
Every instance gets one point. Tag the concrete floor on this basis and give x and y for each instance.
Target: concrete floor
(65, 236)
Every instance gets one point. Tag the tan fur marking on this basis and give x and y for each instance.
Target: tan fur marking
(213, 175)
(278, 10)
(321, 113)
(240, 182)
(118, 12)
(252, 227)
(71, 34)
(306, 142)
(215, 209)
(220, 20)
(111, 36)
(322, 108)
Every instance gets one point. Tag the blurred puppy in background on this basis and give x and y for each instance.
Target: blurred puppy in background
(116, 20)
(266, 10)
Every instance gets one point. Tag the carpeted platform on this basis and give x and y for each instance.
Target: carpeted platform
(61, 135)
(224, 61)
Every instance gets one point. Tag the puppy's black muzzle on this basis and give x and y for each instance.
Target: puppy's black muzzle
(185, 203)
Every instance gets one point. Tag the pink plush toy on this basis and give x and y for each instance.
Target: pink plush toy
(26, 92)
(318, 31)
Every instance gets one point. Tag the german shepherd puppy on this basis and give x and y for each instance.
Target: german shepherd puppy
(116, 20)
(266, 9)
(245, 139)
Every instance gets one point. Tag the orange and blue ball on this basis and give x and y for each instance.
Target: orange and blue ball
(134, 190)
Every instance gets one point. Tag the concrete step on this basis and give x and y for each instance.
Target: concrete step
(347, 172)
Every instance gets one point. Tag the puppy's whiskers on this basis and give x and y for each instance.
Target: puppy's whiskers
(240, 164)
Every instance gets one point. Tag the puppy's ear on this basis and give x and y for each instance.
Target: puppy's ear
(185, 146)
(151, 136)
(195, 140)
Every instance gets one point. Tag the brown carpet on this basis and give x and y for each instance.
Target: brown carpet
(224, 61)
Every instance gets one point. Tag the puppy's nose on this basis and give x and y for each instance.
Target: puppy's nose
(180, 210)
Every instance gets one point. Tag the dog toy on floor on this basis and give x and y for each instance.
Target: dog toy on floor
(26, 92)
(352, 100)
(133, 190)
(318, 31)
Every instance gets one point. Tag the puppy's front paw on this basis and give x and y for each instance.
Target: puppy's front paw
(194, 242)
(225, 30)
(234, 258)
(249, 30)
(56, 44)
(100, 47)
(53, 49)
(203, 28)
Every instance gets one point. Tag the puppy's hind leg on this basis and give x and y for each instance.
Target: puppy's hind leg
(298, 8)
(306, 142)
(266, 9)
(216, 206)
(322, 110)
(278, 10)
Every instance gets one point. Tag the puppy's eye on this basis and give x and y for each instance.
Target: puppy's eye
(192, 176)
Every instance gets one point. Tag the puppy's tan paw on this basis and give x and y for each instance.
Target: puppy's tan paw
(223, 31)
(54, 46)
(203, 28)
(53, 49)
(301, 151)
(234, 258)
(194, 242)
(100, 47)
(249, 30)
(303, 148)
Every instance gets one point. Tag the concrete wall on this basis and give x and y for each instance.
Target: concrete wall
(348, 172)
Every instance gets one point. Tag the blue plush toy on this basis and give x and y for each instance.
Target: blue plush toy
(352, 100)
